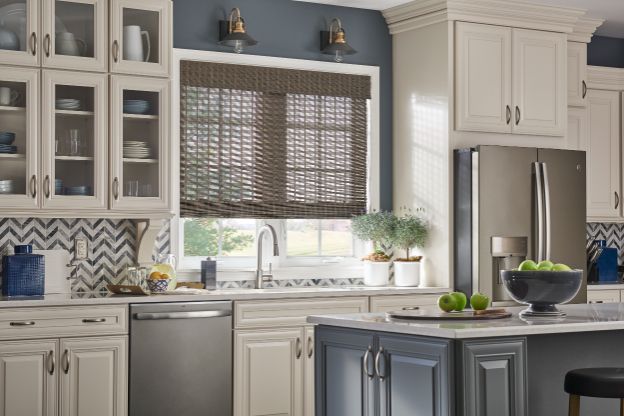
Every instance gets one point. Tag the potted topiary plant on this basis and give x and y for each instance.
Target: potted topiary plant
(410, 231)
(377, 227)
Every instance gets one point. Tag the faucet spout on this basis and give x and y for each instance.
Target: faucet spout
(260, 276)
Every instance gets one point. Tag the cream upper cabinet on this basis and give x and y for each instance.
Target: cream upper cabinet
(510, 80)
(539, 82)
(93, 380)
(483, 77)
(603, 154)
(21, 42)
(268, 372)
(141, 37)
(577, 74)
(75, 34)
(28, 378)
(577, 134)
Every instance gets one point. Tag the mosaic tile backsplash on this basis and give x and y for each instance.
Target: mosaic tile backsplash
(111, 245)
(613, 233)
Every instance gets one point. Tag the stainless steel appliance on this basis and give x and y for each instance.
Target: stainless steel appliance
(514, 203)
(181, 359)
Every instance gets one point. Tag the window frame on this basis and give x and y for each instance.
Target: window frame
(295, 265)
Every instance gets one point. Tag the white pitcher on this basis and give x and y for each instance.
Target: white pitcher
(133, 44)
(68, 44)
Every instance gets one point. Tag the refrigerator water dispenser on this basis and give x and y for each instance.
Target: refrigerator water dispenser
(507, 254)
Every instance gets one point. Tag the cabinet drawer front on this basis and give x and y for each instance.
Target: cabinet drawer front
(397, 302)
(603, 296)
(292, 312)
(63, 322)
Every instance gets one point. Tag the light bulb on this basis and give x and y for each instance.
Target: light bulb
(239, 46)
(339, 57)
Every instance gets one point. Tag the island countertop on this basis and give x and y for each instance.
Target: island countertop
(580, 318)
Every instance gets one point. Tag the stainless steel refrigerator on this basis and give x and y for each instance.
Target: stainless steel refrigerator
(514, 203)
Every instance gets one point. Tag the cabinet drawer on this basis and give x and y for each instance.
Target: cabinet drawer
(397, 302)
(292, 312)
(603, 296)
(51, 322)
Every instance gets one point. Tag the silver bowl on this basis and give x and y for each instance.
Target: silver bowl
(542, 290)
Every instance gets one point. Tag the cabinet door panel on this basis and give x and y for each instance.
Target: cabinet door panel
(603, 154)
(483, 77)
(94, 377)
(577, 129)
(22, 42)
(268, 372)
(28, 378)
(577, 74)
(539, 82)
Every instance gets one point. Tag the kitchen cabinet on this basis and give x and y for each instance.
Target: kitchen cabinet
(510, 80)
(577, 136)
(21, 27)
(141, 37)
(603, 154)
(577, 74)
(75, 34)
(28, 378)
(308, 372)
(604, 296)
(93, 378)
(398, 302)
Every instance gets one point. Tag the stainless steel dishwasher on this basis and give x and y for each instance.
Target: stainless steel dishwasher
(181, 359)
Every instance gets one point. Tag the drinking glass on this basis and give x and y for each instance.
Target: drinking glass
(132, 188)
(74, 142)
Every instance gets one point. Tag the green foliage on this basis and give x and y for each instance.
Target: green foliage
(201, 238)
(377, 227)
(410, 231)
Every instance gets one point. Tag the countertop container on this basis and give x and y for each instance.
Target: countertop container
(23, 273)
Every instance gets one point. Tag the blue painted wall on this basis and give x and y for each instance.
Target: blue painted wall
(605, 51)
(290, 29)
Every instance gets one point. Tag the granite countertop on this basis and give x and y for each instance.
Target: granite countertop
(77, 299)
(580, 318)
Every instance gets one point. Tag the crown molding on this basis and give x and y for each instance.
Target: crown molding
(584, 29)
(603, 78)
(496, 12)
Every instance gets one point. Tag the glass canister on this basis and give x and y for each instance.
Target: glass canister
(166, 265)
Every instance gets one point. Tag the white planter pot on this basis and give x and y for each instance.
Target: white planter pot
(406, 273)
(376, 273)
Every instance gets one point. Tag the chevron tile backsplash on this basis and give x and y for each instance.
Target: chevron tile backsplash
(111, 245)
(613, 233)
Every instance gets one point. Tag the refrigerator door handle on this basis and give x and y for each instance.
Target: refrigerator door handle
(539, 190)
(547, 216)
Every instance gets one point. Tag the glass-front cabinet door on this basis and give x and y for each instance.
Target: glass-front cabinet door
(19, 23)
(140, 144)
(75, 139)
(75, 34)
(19, 115)
(141, 37)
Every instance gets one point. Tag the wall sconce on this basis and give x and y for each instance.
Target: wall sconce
(233, 32)
(334, 42)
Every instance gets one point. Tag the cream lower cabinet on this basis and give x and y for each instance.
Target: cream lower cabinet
(604, 296)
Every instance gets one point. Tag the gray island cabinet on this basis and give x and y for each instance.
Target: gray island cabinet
(367, 365)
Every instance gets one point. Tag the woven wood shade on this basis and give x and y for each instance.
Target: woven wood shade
(261, 142)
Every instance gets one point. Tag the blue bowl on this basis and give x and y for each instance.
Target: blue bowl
(136, 106)
(7, 138)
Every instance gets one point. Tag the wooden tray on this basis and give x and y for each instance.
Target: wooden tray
(423, 315)
(127, 290)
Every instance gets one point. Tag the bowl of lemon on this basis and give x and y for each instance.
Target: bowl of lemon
(158, 282)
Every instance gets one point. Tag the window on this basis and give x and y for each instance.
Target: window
(286, 147)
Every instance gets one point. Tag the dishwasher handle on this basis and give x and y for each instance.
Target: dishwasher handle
(149, 316)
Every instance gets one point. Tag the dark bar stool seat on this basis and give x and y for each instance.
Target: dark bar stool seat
(606, 383)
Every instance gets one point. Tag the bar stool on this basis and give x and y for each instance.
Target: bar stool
(607, 383)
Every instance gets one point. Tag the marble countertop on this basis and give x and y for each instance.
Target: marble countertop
(580, 318)
(77, 299)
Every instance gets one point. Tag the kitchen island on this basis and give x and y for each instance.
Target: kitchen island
(367, 364)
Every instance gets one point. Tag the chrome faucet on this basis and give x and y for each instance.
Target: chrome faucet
(260, 276)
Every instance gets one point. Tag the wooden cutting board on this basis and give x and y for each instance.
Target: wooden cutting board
(424, 314)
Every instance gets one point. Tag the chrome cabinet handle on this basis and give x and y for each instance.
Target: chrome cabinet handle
(365, 364)
(22, 323)
(51, 363)
(508, 114)
(46, 45)
(33, 186)
(298, 347)
(116, 189)
(517, 115)
(46, 186)
(115, 51)
(584, 89)
(33, 43)
(310, 347)
(93, 320)
(617, 200)
(596, 301)
(378, 356)
(66, 361)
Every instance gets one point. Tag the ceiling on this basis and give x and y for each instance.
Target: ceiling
(611, 10)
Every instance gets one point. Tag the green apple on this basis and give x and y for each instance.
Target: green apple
(460, 301)
(560, 267)
(447, 302)
(545, 265)
(527, 265)
(479, 302)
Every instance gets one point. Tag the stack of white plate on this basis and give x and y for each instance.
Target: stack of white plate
(7, 186)
(133, 149)
(67, 104)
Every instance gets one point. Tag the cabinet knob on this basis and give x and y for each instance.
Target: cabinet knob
(116, 189)
(310, 347)
(298, 348)
(517, 115)
(51, 363)
(46, 186)
(47, 44)
(508, 114)
(33, 186)
(584, 89)
(617, 199)
(115, 51)
(66, 361)
(33, 43)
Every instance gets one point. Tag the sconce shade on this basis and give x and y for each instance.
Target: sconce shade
(334, 41)
(233, 32)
